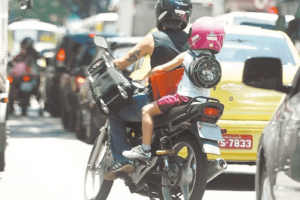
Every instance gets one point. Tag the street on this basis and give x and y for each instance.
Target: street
(43, 161)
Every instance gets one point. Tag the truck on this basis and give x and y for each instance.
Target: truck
(4, 84)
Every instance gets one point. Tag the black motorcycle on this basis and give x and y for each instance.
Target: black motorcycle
(21, 89)
(179, 168)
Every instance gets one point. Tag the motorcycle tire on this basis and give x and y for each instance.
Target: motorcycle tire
(99, 188)
(195, 162)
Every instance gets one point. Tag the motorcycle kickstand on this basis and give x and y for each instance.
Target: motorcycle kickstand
(147, 189)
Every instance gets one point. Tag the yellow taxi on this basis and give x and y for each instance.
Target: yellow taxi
(247, 109)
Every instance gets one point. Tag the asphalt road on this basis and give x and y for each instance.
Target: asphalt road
(43, 161)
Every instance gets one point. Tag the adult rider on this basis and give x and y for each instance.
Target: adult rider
(172, 16)
(25, 62)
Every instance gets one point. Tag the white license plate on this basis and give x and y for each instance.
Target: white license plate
(209, 131)
(26, 86)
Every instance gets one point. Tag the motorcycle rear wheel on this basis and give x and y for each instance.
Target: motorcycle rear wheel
(95, 186)
(24, 110)
(194, 164)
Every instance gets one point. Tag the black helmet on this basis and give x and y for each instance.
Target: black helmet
(173, 13)
(27, 43)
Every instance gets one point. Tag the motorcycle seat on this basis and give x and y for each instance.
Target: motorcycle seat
(177, 113)
(183, 113)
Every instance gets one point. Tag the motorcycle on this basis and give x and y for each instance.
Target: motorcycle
(23, 84)
(179, 168)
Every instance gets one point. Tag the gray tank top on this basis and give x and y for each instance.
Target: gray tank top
(168, 44)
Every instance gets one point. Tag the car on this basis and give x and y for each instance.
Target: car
(278, 153)
(243, 117)
(256, 19)
(89, 119)
(65, 58)
(83, 50)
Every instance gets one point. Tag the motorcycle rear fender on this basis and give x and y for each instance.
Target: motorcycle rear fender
(208, 145)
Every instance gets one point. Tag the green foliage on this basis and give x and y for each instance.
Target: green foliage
(51, 11)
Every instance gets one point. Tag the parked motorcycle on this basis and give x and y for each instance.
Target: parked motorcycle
(23, 84)
(179, 168)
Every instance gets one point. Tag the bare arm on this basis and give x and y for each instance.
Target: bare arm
(178, 60)
(142, 48)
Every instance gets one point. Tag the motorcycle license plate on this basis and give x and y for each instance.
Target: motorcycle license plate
(236, 142)
(26, 86)
(209, 131)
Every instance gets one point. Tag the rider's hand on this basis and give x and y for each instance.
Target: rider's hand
(145, 80)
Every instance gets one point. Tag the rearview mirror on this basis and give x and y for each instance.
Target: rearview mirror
(264, 73)
(25, 4)
(100, 42)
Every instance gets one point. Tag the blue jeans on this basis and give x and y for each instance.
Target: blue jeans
(118, 133)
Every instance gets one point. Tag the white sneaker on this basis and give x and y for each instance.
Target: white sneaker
(137, 153)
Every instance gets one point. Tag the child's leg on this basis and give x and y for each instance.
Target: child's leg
(143, 151)
(149, 111)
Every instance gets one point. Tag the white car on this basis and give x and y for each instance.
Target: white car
(258, 19)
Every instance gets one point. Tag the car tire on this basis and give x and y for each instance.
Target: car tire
(79, 130)
(262, 182)
(92, 131)
(71, 121)
(2, 161)
(55, 109)
(263, 192)
(64, 118)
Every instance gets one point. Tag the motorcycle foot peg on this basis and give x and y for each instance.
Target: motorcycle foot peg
(165, 152)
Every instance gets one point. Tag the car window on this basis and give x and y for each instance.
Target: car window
(88, 56)
(239, 48)
(98, 54)
(265, 26)
(72, 50)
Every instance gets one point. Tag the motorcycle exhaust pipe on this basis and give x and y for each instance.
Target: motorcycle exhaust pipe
(215, 168)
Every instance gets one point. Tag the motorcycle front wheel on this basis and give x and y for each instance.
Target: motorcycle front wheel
(95, 186)
(187, 176)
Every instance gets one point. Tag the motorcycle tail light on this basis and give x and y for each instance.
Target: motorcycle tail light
(80, 79)
(211, 112)
(26, 78)
(210, 115)
(10, 79)
(61, 55)
(92, 35)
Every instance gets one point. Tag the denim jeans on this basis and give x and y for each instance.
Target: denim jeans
(118, 133)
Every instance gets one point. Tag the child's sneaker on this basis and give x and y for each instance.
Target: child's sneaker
(137, 153)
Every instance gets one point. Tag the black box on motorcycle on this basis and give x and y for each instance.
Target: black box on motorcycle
(111, 89)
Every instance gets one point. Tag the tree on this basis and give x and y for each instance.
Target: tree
(57, 11)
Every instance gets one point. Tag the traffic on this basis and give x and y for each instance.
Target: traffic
(176, 107)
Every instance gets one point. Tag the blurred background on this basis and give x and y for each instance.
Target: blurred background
(45, 143)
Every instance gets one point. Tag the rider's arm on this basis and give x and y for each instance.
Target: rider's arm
(178, 60)
(142, 48)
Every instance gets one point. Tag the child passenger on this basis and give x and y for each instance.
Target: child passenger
(206, 37)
